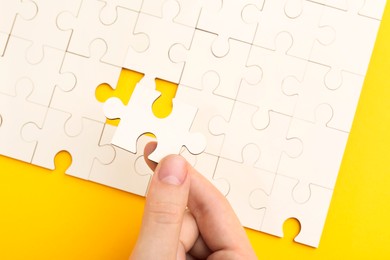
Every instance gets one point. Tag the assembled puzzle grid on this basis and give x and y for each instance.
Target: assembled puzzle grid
(266, 97)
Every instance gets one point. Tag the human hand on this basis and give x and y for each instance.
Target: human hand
(186, 217)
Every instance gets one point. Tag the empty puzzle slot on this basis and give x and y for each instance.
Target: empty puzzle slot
(62, 161)
(291, 229)
(127, 81)
(162, 107)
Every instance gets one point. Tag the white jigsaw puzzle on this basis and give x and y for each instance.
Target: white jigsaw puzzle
(267, 92)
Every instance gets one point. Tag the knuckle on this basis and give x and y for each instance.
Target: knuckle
(165, 213)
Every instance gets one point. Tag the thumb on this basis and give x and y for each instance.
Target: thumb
(164, 210)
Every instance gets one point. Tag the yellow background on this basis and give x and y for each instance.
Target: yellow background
(49, 215)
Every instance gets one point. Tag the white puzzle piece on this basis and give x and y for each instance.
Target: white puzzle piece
(137, 118)
(266, 97)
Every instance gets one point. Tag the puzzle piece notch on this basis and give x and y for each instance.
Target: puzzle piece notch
(279, 206)
(267, 94)
(118, 173)
(239, 131)
(313, 91)
(162, 33)
(109, 12)
(86, 27)
(244, 177)
(45, 74)
(83, 92)
(51, 138)
(172, 132)
(15, 111)
(310, 167)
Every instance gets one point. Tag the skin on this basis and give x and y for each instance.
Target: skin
(186, 217)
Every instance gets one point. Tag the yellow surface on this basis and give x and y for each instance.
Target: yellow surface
(49, 215)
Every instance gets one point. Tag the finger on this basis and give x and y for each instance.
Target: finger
(200, 250)
(149, 148)
(164, 210)
(189, 231)
(217, 222)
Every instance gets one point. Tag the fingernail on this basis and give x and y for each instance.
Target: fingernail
(172, 170)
